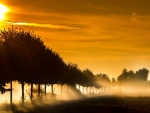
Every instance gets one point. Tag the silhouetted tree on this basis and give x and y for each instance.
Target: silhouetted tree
(23, 55)
(63, 78)
(113, 82)
(123, 79)
(142, 74)
(103, 80)
(142, 77)
(53, 68)
(131, 79)
(8, 58)
(89, 79)
(72, 75)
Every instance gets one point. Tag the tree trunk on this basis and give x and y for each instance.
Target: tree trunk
(22, 85)
(52, 91)
(86, 90)
(79, 87)
(38, 90)
(11, 93)
(90, 90)
(61, 89)
(93, 90)
(67, 88)
(31, 95)
(45, 90)
(96, 91)
(83, 89)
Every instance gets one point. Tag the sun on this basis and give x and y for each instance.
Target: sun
(3, 10)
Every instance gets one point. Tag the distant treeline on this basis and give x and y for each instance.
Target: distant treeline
(25, 58)
(133, 80)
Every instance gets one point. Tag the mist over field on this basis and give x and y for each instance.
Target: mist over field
(115, 99)
(69, 56)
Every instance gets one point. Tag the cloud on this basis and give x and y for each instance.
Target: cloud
(51, 26)
(92, 7)
(135, 17)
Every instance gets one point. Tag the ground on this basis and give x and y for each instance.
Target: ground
(101, 104)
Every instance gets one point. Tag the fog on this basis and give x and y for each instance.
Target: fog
(130, 89)
(70, 93)
(16, 93)
(79, 92)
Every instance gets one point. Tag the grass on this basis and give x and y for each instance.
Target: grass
(103, 104)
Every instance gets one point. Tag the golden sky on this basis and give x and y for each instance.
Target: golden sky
(103, 35)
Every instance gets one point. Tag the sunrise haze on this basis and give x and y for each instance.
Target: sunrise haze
(105, 36)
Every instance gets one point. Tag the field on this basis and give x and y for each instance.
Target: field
(102, 104)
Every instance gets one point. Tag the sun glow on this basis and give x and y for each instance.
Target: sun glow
(3, 10)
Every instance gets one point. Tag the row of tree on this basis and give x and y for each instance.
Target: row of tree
(25, 58)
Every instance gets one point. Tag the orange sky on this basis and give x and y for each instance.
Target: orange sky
(103, 35)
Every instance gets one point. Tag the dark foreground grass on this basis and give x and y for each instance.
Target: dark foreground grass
(103, 104)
